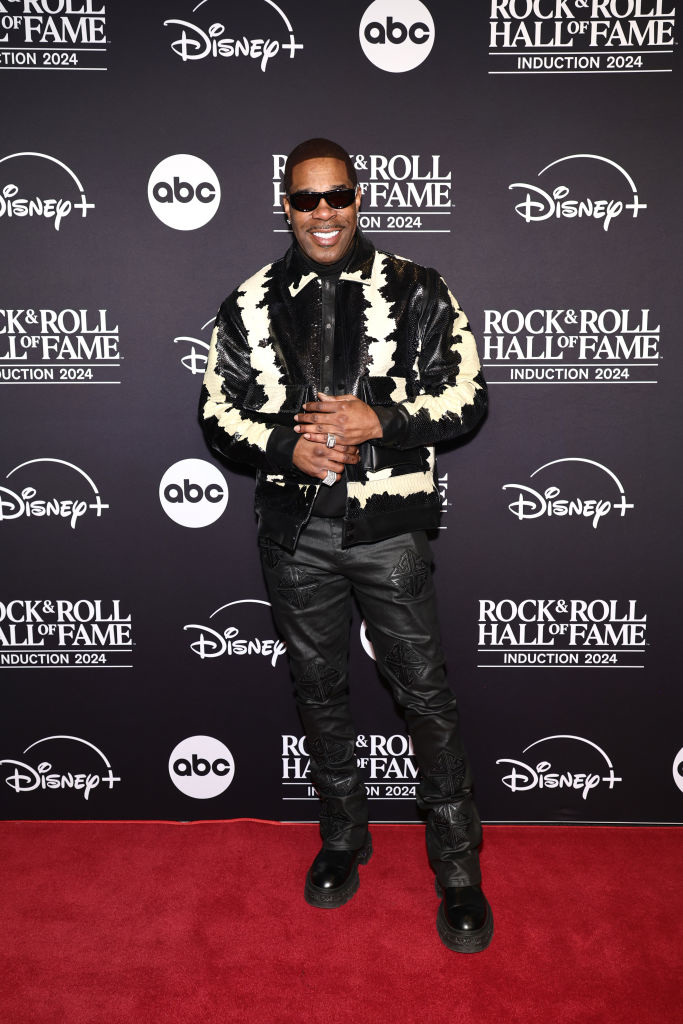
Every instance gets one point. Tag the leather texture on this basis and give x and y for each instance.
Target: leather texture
(333, 877)
(407, 350)
(465, 908)
(465, 920)
(311, 595)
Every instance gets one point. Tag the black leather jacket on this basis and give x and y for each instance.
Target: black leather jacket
(409, 353)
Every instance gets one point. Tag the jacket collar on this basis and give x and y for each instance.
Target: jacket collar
(359, 269)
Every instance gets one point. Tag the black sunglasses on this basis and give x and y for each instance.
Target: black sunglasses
(337, 198)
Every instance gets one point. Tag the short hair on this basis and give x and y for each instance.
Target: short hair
(317, 149)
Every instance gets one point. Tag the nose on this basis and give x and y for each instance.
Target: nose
(324, 211)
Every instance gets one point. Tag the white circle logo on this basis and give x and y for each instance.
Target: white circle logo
(193, 493)
(201, 767)
(184, 192)
(397, 35)
(678, 769)
(365, 641)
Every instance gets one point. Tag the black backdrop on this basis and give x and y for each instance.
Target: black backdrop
(531, 154)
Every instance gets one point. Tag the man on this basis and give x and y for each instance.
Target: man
(334, 371)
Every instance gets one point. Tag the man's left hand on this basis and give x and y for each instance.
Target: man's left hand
(351, 420)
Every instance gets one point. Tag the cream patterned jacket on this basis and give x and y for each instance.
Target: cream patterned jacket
(408, 351)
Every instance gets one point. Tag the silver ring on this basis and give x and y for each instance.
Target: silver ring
(331, 478)
(331, 441)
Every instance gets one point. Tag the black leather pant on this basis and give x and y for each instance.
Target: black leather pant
(311, 594)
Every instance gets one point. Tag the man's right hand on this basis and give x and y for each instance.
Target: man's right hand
(317, 459)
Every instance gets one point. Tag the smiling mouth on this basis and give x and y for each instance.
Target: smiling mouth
(326, 234)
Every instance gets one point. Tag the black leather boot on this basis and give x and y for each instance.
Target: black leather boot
(333, 876)
(465, 919)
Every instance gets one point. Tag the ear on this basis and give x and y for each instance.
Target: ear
(359, 199)
(287, 209)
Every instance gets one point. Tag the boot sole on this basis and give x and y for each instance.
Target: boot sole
(329, 899)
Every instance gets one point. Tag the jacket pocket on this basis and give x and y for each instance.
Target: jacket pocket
(374, 457)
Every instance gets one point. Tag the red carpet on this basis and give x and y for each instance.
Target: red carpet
(139, 923)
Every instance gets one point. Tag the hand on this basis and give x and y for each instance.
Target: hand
(316, 459)
(351, 420)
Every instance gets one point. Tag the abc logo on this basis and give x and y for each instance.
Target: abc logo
(201, 767)
(397, 35)
(365, 641)
(183, 192)
(678, 769)
(193, 493)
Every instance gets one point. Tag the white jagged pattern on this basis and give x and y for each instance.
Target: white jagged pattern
(379, 324)
(409, 483)
(295, 289)
(256, 320)
(452, 399)
(227, 415)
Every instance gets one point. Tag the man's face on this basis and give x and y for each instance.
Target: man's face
(324, 234)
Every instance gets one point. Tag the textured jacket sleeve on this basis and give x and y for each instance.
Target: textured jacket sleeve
(228, 405)
(452, 394)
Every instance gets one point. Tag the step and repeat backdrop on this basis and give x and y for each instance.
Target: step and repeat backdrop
(528, 149)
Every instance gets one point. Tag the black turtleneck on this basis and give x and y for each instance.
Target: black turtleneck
(328, 269)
